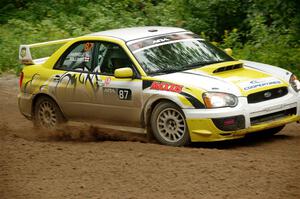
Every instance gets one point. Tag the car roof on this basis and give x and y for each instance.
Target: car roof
(128, 34)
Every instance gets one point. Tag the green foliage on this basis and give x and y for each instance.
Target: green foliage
(266, 46)
(258, 30)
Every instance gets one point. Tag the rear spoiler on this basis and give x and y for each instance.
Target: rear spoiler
(25, 54)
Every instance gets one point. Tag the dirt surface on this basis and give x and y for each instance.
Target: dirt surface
(87, 162)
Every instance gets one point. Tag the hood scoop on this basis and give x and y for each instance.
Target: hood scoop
(221, 67)
(226, 68)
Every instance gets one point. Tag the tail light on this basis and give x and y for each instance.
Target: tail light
(21, 79)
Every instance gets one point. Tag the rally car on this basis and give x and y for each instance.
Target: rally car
(164, 81)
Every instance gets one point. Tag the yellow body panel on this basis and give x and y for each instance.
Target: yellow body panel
(212, 67)
(123, 73)
(240, 75)
(194, 91)
(247, 74)
(204, 130)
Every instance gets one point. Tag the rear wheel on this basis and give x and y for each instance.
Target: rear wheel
(168, 125)
(47, 114)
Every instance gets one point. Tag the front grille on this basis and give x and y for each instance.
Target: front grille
(273, 116)
(267, 95)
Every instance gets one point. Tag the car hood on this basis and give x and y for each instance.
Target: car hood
(230, 77)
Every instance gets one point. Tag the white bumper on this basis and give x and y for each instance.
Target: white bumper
(289, 101)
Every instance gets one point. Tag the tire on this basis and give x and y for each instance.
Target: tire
(47, 114)
(168, 125)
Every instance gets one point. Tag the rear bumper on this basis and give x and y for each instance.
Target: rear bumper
(248, 117)
(25, 104)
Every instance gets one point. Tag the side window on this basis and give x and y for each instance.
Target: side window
(101, 50)
(79, 58)
(111, 57)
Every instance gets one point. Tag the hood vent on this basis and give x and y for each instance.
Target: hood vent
(226, 68)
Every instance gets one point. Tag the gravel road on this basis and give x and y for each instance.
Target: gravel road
(83, 161)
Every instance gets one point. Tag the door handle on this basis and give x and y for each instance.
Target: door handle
(56, 78)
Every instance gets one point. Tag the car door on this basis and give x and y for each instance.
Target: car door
(121, 97)
(74, 85)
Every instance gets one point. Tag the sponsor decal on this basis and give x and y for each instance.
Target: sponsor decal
(259, 83)
(76, 56)
(86, 58)
(88, 46)
(193, 100)
(162, 86)
(109, 91)
(107, 81)
(23, 52)
(161, 40)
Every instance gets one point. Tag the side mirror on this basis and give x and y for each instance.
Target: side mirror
(228, 51)
(123, 73)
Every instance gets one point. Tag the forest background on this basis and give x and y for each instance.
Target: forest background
(266, 31)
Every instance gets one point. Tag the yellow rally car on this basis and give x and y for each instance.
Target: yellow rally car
(160, 80)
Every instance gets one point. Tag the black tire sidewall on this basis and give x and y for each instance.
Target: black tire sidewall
(155, 113)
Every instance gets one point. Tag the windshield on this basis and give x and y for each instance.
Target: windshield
(176, 52)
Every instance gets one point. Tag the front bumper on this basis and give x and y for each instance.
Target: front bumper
(256, 117)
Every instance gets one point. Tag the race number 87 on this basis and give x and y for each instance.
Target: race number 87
(124, 94)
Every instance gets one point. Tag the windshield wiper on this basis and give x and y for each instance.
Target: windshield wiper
(166, 71)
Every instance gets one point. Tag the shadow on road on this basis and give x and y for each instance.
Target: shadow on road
(91, 134)
(96, 134)
(252, 140)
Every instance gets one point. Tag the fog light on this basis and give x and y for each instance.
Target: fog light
(232, 123)
(229, 121)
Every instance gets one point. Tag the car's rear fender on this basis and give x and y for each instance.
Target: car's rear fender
(37, 96)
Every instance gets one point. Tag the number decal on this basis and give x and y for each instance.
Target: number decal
(124, 94)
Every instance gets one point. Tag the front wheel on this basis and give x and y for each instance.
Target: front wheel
(47, 114)
(169, 125)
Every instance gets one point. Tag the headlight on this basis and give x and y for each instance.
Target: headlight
(218, 100)
(294, 82)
